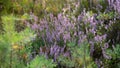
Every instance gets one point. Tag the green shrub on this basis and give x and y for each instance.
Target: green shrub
(80, 57)
(115, 57)
(41, 62)
(12, 44)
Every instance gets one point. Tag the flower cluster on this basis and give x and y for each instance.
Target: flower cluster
(115, 4)
(54, 29)
(95, 28)
(54, 52)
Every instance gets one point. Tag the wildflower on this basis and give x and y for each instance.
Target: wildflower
(15, 46)
(35, 26)
(66, 37)
(100, 38)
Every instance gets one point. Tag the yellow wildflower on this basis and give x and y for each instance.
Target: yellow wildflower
(15, 46)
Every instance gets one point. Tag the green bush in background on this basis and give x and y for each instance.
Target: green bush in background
(12, 44)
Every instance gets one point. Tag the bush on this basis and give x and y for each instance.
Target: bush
(12, 44)
(41, 62)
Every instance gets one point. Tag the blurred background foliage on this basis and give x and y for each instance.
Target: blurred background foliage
(38, 7)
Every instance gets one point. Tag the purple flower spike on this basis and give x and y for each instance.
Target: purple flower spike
(35, 26)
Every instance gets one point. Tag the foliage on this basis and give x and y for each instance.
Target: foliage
(71, 33)
(115, 56)
(41, 62)
(63, 29)
(13, 43)
(5, 6)
(80, 57)
(27, 6)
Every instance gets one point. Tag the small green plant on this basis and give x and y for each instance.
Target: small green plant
(80, 57)
(116, 51)
(67, 62)
(115, 57)
(106, 16)
(41, 62)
